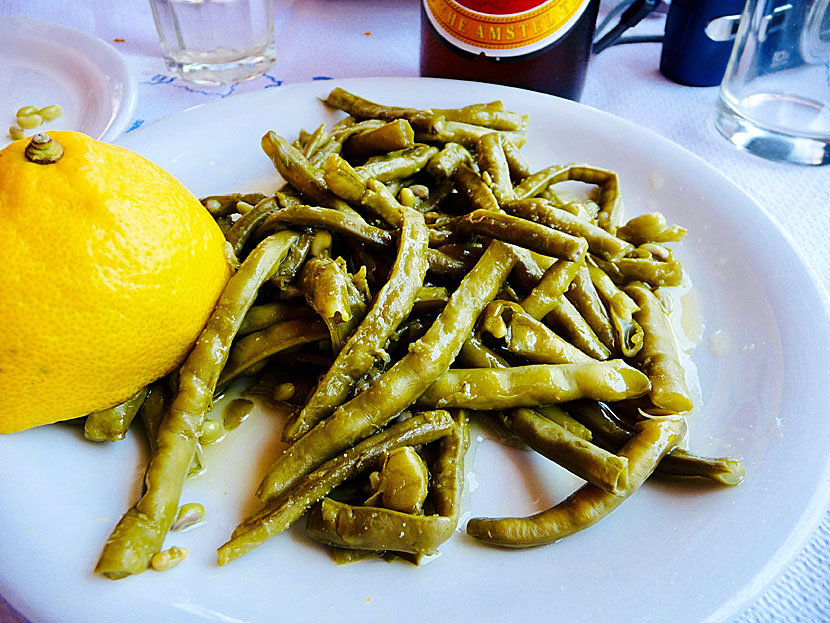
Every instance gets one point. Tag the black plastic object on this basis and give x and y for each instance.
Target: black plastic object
(698, 40)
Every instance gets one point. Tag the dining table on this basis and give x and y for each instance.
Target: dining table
(320, 40)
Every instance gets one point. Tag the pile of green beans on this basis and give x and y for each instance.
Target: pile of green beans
(413, 274)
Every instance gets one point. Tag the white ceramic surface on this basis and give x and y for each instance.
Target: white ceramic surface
(43, 63)
(673, 552)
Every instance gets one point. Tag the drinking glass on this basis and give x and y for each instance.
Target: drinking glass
(775, 95)
(216, 41)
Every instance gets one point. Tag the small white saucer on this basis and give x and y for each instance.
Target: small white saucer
(43, 63)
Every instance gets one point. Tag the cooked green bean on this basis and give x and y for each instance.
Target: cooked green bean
(492, 115)
(628, 334)
(600, 242)
(553, 284)
(361, 108)
(345, 525)
(398, 388)
(658, 357)
(609, 199)
(524, 233)
(334, 221)
(391, 306)
(295, 168)
(527, 337)
(556, 413)
(140, 532)
(397, 134)
(315, 141)
(267, 314)
(112, 424)
(475, 354)
(566, 321)
(589, 504)
(470, 186)
(250, 350)
(580, 457)
(467, 134)
(613, 434)
(225, 205)
(529, 386)
(244, 226)
(445, 163)
(650, 227)
(491, 160)
(584, 297)
(377, 529)
(294, 261)
(397, 164)
(334, 294)
(653, 271)
(516, 162)
(284, 509)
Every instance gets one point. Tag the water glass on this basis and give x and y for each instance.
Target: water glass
(216, 41)
(775, 96)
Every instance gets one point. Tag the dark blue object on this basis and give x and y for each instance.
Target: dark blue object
(698, 40)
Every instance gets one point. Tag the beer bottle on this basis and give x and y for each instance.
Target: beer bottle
(543, 45)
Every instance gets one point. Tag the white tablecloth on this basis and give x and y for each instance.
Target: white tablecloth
(355, 38)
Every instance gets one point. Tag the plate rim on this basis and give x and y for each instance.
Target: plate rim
(820, 498)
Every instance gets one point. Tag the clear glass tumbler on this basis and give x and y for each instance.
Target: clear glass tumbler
(775, 96)
(216, 41)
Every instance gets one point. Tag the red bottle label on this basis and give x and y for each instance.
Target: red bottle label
(506, 28)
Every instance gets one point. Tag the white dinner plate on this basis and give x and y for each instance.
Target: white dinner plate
(43, 63)
(675, 551)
